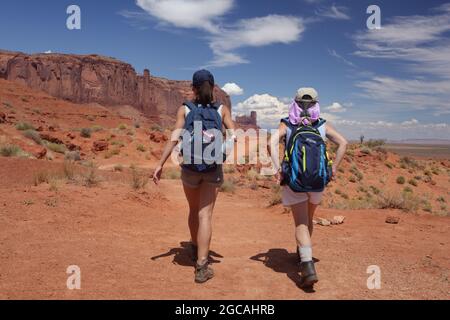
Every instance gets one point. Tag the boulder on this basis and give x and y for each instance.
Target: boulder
(2, 117)
(392, 220)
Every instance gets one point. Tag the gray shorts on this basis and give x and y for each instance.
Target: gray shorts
(193, 179)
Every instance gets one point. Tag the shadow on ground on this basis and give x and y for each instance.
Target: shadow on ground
(183, 255)
(280, 260)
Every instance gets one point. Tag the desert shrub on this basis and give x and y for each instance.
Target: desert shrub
(90, 118)
(427, 173)
(373, 143)
(72, 156)
(418, 178)
(275, 199)
(137, 125)
(86, 132)
(441, 199)
(228, 169)
(33, 135)
(55, 147)
(10, 150)
(407, 189)
(118, 168)
(408, 163)
(366, 150)
(427, 207)
(252, 174)
(69, 170)
(405, 201)
(389, 165)
(345, 196)
(90, 178)
(41, 177)
(171, 174)
(139, 179)
(435, 171)
(140, 148)
(352, 179)
(253, 185)
(118, 143)
(122, 126)
(156, 127)
(338, 191)
(23, 126)
(97, 128)
(400, 180)
(413, 182)
(228, 186)
(111, 153)
(375, 190)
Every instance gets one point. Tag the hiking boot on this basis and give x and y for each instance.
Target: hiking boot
(194, 252)
(308, 273)
(203, 273)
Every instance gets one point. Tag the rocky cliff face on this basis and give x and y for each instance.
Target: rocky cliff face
(92, 78)
(248, 122)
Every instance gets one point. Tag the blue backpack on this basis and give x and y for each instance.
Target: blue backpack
(210, 119)
(306, 166)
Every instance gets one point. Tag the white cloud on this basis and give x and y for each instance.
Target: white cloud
(269, 108)
(201, 14)
(48, 52)
(410, 129)
(224, 40)
(420, 44)
(421, 41)
(233, 89)
(254, 32)
(333, 53)
(336, 108)
(334, 12)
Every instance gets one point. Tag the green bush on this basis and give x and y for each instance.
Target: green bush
(86, 132)
(55, 147)
(10, 150)
(401, 180)
(228, 186)
(23, 126)
(122, 126)
(33, 135)
(140, 148)
(413, 182)
(372, 143)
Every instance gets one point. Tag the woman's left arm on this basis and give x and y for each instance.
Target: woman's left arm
(338, 139)
(227, 119)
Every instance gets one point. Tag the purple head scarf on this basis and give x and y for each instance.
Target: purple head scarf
(295, 114)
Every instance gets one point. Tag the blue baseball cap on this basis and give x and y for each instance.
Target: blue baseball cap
(202, 76)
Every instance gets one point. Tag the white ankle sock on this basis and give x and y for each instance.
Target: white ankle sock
(306, 254)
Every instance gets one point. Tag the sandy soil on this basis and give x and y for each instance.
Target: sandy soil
(133, 245)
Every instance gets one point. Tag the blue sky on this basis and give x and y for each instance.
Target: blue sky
(390, 83)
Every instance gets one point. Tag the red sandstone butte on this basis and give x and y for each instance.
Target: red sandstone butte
(98, 79)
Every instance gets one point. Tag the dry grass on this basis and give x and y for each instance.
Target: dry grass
(139, 179)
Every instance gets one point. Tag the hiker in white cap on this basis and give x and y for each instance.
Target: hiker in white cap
(306, 170)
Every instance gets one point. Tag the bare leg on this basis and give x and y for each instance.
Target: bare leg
(311, 211)
(192, 196)
(301, 219)
(207, 201)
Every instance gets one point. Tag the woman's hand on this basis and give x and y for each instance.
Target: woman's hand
(157, 174)
(334, 173)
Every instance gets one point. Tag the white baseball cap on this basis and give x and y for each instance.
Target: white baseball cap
(307, 92)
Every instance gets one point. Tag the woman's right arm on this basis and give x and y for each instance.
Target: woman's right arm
(171, 144)
(274, 141)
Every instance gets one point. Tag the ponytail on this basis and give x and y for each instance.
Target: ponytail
(205, 93)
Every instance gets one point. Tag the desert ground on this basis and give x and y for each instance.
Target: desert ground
(74, 190)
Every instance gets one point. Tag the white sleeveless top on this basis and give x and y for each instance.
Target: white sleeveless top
(322, 130)
(187, 110)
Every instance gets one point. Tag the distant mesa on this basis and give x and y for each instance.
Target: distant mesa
(98, 79)
(248, 122)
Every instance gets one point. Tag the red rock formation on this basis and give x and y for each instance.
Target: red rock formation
(247, 122)
(103, 80)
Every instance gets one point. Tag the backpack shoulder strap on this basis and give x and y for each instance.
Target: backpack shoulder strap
(190, 105)
(320, 123)
(216, 105)
(288, 123)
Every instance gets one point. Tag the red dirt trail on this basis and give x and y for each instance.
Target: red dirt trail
(112, 233)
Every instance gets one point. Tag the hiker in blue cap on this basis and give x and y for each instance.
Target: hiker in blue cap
(201, 179)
